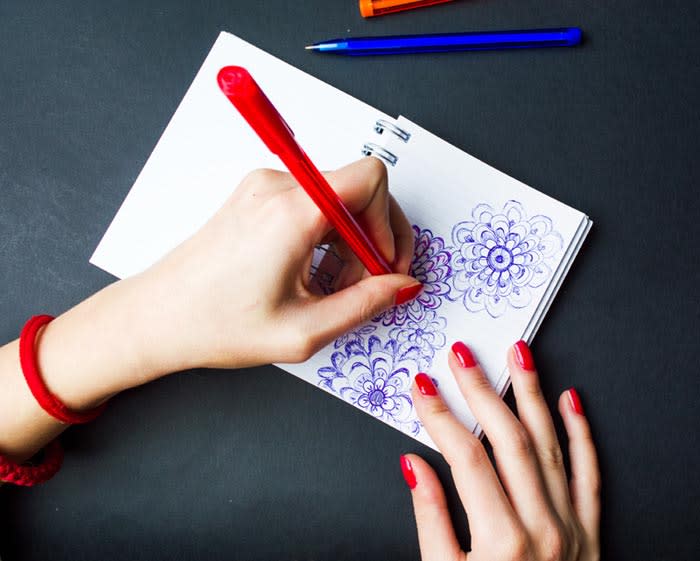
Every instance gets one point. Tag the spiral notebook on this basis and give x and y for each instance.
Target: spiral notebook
(491, 251)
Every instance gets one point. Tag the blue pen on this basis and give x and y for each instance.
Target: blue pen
(446, 42)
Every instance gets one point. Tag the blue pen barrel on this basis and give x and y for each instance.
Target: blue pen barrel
(447, 42)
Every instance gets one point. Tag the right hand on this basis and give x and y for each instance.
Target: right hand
(237, 293)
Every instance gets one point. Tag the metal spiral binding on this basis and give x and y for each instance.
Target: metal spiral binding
(372, 149)
(381, 125)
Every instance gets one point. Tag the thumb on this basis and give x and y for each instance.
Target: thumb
(331, 316)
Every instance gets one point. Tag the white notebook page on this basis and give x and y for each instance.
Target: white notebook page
(442, 187)
(447, 194)
(207, 148)
(451, 198)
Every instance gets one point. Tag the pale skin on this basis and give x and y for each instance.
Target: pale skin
(195, 308)
(524, 509)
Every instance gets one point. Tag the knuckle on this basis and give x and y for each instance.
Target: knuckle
(532, 388)
(480, 382)
(588, 442)
(470, 455)
(368, 308)
(431, 501)
(552, 456)
(302, 345)
(516, 547)
(573, 546)
(437, 410)
(520, 443)
(261, 175)
(552, 544)
(318, 222)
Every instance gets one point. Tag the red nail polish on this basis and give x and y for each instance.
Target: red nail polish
(425, 384)
(408, 473)
(407, 293)
(524, 356)
(574, 401)
(464, 355)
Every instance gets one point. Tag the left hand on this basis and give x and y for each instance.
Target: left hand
(525, 510)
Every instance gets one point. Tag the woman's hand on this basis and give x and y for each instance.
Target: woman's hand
(238, 292)
(235, 294)
(525, 510)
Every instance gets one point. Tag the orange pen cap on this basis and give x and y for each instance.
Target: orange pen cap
(370, 8)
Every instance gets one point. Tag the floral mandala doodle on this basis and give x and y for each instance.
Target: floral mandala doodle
(425, 334)
(500, 255)
(496, 259)
(375, 373)
(357, 335)
(377, 378)
(431, 266)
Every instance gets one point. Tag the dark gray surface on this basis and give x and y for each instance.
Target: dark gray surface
(258, 465)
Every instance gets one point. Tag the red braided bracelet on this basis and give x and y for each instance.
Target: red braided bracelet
(49, 402)
(29, 475)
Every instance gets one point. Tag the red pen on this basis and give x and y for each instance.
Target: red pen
(239, 87)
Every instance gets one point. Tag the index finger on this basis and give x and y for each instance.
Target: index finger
(363, 188)
(488, 509)
(353, 270)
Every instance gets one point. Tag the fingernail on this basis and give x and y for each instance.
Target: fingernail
(407, 293)
(425, 384)
(574, 401)
(408, 473)
(524, 356)
(464, 355)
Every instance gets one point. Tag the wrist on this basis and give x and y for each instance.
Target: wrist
(104, 345)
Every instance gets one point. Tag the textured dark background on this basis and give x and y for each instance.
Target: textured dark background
(256, 464)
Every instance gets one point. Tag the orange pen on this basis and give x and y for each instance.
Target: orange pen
(370, 8)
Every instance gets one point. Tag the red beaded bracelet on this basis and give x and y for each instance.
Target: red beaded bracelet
(28, 474)
(49, 402)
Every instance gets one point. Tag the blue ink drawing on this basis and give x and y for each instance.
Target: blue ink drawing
(357, 335)
(377, 378)
(499, 256)
(495, 261)
(374, 371)
(425, 334)
(431, 266)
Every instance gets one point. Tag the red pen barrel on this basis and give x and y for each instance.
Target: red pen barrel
(243, 92)
(310, 178)
(254, 106)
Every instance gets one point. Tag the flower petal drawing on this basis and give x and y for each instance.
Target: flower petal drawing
(375, 377)
(431, 266)
(426, 335)
(499, 256)
(357, 335)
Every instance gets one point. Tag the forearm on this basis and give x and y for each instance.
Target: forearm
(102, 346)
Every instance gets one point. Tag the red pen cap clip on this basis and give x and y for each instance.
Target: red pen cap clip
(239, 87)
